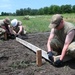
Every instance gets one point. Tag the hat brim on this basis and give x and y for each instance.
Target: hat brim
(52, 25)
(7, 20)
(7, 23)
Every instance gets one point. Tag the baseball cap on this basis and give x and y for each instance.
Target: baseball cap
(55, 21)
(7, 20)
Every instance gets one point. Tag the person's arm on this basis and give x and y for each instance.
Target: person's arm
(49, 40)
(14, 32)
(10, 29)
(6, 28)
(20, 27)
(68, 40)
(3, 27)
(50, 54)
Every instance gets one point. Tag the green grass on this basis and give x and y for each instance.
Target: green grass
(39, 23)
(34, 24)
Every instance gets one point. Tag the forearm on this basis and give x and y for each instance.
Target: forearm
(64, 50)
(49, 47)
(49, 40)
(20, 30)
(14, 32)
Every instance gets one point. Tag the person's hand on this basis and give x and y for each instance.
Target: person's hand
(50, 56)
(58, 63)
(17, 35)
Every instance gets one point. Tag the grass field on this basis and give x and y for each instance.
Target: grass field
(39, 23)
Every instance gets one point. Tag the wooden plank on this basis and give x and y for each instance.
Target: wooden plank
(39, 58)
(35, 49)
(5, 36)
(32, 47)
(67, 58)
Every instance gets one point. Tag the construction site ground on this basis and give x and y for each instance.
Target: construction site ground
(16, 59)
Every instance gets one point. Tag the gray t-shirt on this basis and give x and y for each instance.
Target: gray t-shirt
(61, 34)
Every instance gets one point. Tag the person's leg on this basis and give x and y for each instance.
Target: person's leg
(3, 34)
(56, 45)
(71, 49)
(2, 31)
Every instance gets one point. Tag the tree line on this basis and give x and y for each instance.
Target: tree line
(53, 9)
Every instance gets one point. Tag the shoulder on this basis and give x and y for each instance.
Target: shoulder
(68, 23)
(1, 22)
(69, 27)
(19, 23)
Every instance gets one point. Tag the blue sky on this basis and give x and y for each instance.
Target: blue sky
(13, 5)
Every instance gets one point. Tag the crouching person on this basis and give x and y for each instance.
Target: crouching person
(18, 29)
(61, 39)
(5, 29)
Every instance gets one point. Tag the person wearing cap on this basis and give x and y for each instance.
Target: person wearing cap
(5, 27)
(17, 27)
(61, 39)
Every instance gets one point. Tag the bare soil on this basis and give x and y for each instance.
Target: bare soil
(16, 59)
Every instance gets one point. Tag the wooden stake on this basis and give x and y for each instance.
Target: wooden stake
(5, 36)
(39, 58)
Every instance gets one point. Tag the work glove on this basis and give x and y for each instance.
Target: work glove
(58, 63)
(50, 56)
(12, 36)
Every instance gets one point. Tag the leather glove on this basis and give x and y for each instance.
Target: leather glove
(12, 36)
(50, 56)
(58, 63)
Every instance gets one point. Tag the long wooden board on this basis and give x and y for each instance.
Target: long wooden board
(35, 49)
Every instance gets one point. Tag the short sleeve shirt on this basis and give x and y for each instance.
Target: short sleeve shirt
(61, 34)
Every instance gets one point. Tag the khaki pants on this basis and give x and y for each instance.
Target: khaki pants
(71, 49)
(57, 46)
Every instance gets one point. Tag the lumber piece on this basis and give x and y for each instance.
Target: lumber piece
(5, 36)
(44, 53)
(39, 58)
(67, 58)
(32, 47)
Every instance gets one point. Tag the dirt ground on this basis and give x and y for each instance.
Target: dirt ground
(16, 59)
